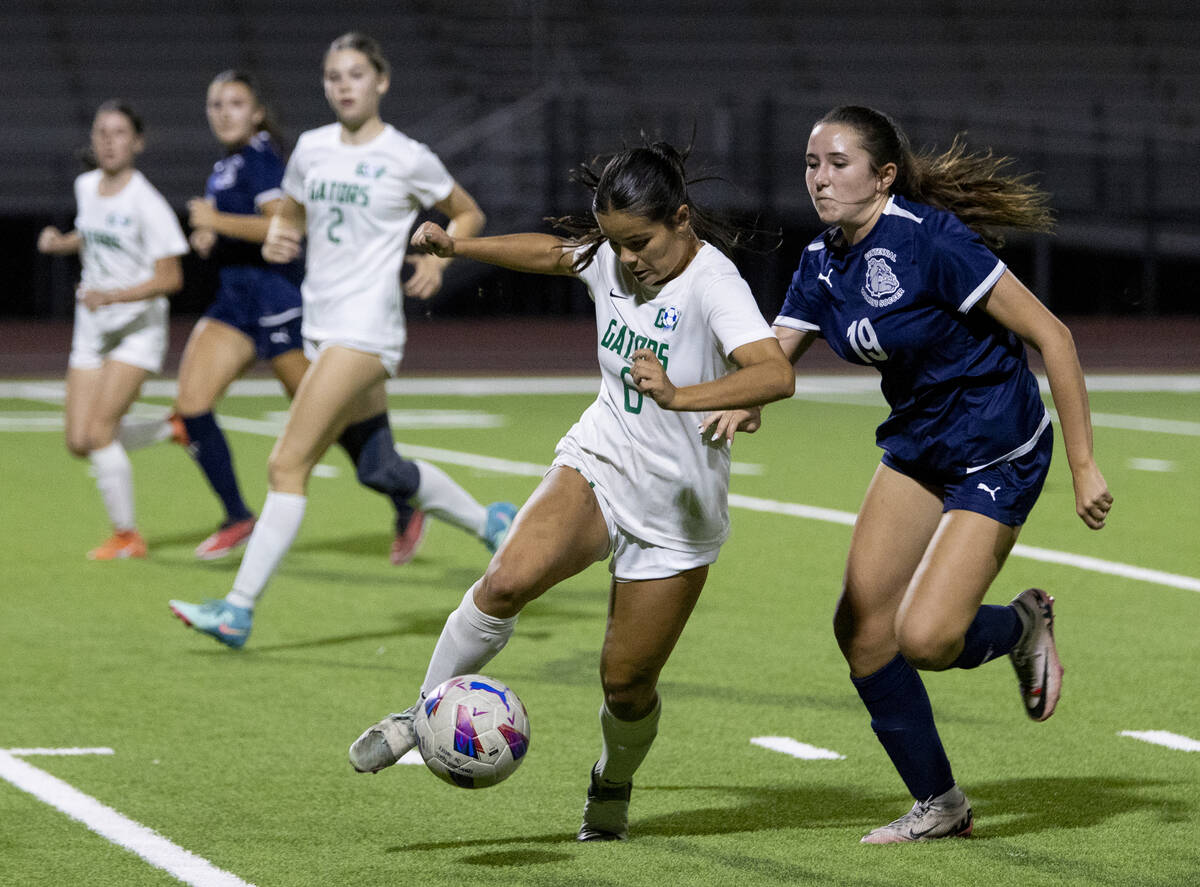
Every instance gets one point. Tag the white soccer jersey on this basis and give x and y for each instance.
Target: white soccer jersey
(361, 202)
(666, 484)
(122, 236)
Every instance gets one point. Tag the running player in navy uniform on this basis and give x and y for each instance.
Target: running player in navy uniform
(904, 281)
(256, 313)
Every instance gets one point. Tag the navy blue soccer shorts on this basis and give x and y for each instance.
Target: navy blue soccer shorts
(1005, 492)
(263, 304)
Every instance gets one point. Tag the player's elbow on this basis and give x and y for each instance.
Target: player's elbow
(782, 381)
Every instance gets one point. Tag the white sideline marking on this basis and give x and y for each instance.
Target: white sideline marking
(1163, 737)
(59, 752)
(788, 746)
(1164, 465)
(1109, 568)
(41, 390)
(412, 756)
(108, 823)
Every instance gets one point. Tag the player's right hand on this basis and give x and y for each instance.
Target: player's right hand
(49, 239)
(283, 243)
(432, 238)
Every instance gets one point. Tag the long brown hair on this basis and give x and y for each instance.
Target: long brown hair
(976, 187)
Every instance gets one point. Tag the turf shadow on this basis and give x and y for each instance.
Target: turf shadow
(1028, 806)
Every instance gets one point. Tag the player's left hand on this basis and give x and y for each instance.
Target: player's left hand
(650, 378)
(726, 423)
(201, 213)
(203, 240)
(426, 279)
(1092, 498)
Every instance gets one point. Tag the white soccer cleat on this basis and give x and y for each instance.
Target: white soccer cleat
(1035, 658)
(606, 813)
(946, 816)
(383, 744)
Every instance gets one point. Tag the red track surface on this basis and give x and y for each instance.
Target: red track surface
(557, 346)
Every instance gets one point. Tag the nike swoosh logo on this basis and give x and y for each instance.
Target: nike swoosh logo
(235, 632)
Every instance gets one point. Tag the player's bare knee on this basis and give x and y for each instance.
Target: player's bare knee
(502, 591)
(77, 446)
(925, 647)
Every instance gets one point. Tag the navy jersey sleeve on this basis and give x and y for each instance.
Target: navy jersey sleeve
(962, 270)
(264, 174)
(800, 310)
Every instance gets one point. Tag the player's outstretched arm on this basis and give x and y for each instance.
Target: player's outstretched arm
(535, 253)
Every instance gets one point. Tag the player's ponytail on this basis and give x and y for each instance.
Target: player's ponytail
(973, 186)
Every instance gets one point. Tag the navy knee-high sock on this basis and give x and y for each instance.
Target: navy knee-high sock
(903, 720)
(994, 631)
(370, 447)
(211, 452)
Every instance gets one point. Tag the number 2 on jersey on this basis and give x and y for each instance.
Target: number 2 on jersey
(864, 341)
(335, 222)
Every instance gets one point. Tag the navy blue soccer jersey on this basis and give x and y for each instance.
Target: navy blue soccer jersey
(240, 183)
(961, 394)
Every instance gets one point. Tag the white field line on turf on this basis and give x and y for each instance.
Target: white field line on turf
(788, 746)
(529, 469)
(57, 752)
(109, 824)
(1163, 737)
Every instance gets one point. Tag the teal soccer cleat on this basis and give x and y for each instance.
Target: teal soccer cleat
(228, 624)
(499, 518)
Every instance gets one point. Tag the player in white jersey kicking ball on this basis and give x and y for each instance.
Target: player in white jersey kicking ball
(353, 190)
(129, 243)
(636, 479)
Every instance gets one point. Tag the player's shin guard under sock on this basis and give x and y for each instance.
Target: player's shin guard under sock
(993, 632)
(902, 718)
(114, 479)
(441, 497)
(273, 535)
(626, 744)
(209, 448)
(370, 446)
(468, 642)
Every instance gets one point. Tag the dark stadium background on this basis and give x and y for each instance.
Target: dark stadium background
(1099, 101)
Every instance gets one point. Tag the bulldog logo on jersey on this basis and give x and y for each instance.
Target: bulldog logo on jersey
(883, 286)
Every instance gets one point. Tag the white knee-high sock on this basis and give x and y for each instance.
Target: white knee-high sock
(274, 532)
(114, 477)
(626, 744)
(136, 432)
(468, 642)
(438, 495)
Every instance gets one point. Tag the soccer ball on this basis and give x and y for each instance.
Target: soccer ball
(472, 731)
